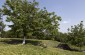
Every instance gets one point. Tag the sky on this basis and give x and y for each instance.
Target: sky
(71, 11)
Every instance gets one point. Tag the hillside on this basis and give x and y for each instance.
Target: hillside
(14, 47)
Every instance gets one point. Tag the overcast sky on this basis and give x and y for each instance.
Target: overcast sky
(71, 11)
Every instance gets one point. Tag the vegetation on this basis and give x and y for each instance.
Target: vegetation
(40, 26)
(31, 49)
(76, 35)
(29, 20)
(2, 25)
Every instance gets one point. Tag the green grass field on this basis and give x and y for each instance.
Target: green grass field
(14, 47)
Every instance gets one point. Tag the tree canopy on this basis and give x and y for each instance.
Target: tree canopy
(76, 35)
(2, 25)
(30, 20)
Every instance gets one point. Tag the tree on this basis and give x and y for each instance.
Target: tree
(2, 25)
(29, 20)
(77, 35)
(61, 37)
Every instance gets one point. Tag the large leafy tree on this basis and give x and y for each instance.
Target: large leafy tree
(29, 20)
(76, 35)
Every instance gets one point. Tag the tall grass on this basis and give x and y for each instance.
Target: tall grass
(30, 49)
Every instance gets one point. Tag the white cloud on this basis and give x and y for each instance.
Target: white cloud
(65, 22)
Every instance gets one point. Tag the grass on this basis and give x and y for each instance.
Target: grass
(14, 47)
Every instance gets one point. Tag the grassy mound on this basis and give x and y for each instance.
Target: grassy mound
(32, 47)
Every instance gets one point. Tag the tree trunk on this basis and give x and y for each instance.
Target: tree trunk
(24, 35)
(23, 41)
(80, 48)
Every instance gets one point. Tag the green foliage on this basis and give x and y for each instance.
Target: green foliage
(76, 35)
(28, 20)
(61, 37)
(2, 25)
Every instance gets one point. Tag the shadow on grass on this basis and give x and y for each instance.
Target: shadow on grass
(66, 47)
(19, 41)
